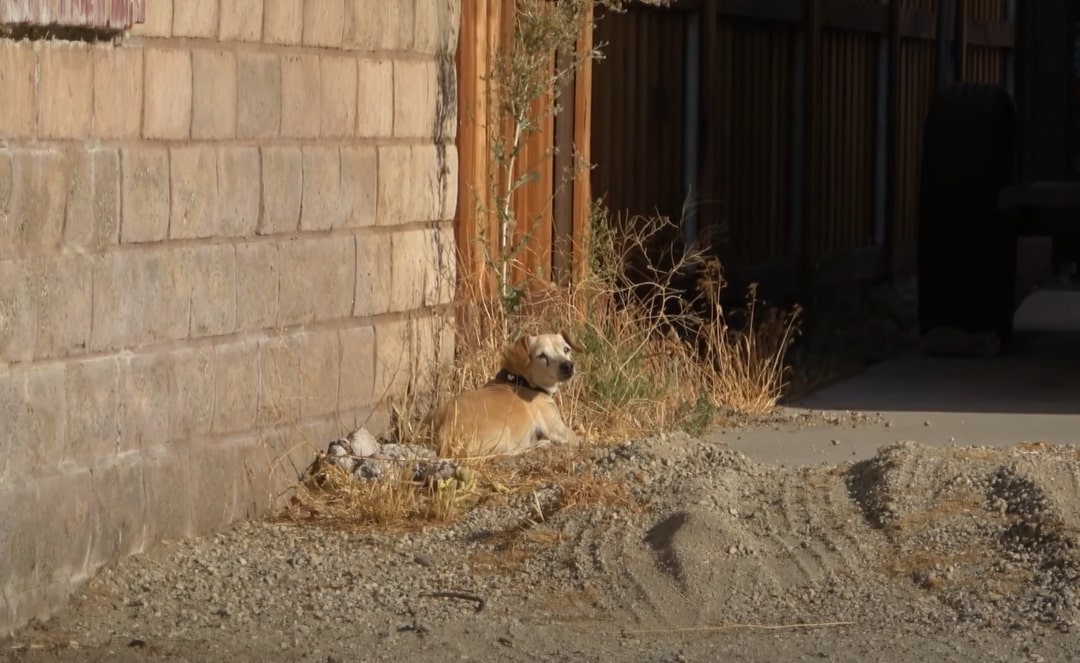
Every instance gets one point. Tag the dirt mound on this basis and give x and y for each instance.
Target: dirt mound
(992, 533)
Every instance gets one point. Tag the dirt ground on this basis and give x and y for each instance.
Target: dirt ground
(696, 553)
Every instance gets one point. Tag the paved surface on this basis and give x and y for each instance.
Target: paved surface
(1031, 394)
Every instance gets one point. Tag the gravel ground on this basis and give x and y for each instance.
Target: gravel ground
(918, 554)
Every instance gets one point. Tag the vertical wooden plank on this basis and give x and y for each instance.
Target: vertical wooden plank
(563, 166)
(811, 182)
(709, 124)
(895, 159)
(582, 140)
(961, 40)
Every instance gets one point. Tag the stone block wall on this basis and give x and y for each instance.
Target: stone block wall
(225, 238)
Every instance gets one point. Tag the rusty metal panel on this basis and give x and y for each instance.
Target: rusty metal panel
(95, 14)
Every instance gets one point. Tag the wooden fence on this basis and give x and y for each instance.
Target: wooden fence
(553, 208)
(787, 133)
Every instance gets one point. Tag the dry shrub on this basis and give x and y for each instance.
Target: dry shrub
(660, 351)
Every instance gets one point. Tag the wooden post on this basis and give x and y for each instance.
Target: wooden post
(710, 122)
(812, 128)
(563, 213)
(893, 230)
(582, 142)
(473, 191)
(961, 40)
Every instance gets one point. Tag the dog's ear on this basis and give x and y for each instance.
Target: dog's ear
(516, 356)
(570, 341)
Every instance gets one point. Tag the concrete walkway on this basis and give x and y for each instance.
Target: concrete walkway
(1032, 394)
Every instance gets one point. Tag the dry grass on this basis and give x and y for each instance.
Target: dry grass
(660, 353)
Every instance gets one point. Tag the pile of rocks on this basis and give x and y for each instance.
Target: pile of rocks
(366, 458)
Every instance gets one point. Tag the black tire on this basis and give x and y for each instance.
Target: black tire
(966, 246)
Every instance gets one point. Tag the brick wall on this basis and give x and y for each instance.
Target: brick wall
(224, 238)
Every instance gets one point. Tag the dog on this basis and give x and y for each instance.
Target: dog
(514, 412)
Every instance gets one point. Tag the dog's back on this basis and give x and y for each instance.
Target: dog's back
(493, 420)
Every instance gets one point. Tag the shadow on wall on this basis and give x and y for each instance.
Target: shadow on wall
(443, 130)
(1040, 374)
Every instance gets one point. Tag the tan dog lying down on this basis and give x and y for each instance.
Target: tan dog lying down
(515, 411)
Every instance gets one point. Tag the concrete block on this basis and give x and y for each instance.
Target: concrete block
(36, 199)
(320, 362)
(258, 95)
(18, 311)
(93, 201)
(118, 92)
(193, 174)
(32, 421)
(412, 257)
(241, 20)
(62, 286)
(196, 18)
(396, 204)
(238, 191)
(143, 414)
(424, 268)
(64, 502)
(322, 207)
(437, 23)
(213, 111)
(213, 290)
(158, 19)
(259, 489)
(374, 268)
(283, 21)
(191, 393)
(379, 25)
(359, 185)
(66, 88)
(18, 89)
(256, 285)
(140, 297)
(432, 351)
(92, 392)
(170, 500)
(118, 511)
(435, 172)
(167, 94)
(393, 359)
(236, 377)
(282, 189)
(415, 95)
(323, 23)
(338, 79)
(301, 91)
(145, 194)
(442, 281)
(216, 487)
(316, 280)
(374, 98)
(357, 387)
(279, 382)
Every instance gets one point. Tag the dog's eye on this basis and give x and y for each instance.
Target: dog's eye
(566, 350)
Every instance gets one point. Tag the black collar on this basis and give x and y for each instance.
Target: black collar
(507, 377)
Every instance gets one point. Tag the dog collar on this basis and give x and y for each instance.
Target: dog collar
(515, 379)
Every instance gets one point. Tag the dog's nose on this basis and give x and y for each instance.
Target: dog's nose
(566, 370)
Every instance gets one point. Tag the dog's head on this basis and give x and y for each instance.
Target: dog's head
(544, 361)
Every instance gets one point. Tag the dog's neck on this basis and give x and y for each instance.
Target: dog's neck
(507, 377)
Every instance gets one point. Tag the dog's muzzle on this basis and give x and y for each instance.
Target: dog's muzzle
(566, 370)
